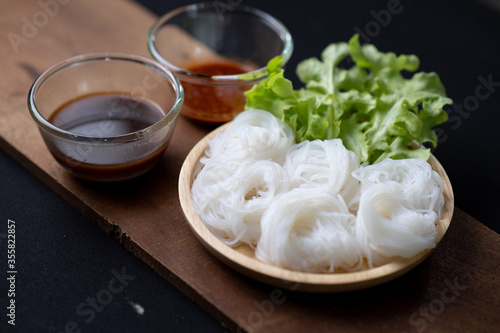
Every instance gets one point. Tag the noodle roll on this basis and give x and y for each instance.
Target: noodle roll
(422, 185)
(231, 196)
(387, 225)
(312, 231)
(253, 134)
(324, 166)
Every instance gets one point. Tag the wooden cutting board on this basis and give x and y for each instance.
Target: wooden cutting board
(455, 289)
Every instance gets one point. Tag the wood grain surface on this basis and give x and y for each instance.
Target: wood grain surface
(455, 289)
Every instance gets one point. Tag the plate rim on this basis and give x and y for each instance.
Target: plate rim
(295, 280)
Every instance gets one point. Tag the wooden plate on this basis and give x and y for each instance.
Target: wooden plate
(243, 260)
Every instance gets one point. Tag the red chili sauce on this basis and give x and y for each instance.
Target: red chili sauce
(215, 103)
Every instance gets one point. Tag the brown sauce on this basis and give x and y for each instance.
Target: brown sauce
(116, 172)
(107, 115)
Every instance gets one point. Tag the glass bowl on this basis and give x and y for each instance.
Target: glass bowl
(106, 116)
(218, 52)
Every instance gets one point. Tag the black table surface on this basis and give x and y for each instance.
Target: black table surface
(65, 262)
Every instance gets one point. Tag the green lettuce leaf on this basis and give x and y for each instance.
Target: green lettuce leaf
(371, 106)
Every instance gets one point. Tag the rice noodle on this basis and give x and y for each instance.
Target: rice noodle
(253, 134)
(309, 231)
(423, 185)
(231, 197)
(324, 166)
(400, 201)
(310, 206)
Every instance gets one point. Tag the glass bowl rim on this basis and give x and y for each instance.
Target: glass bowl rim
(170, 115)
(244, 78)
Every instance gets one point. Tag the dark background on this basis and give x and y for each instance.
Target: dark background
(63, 258)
